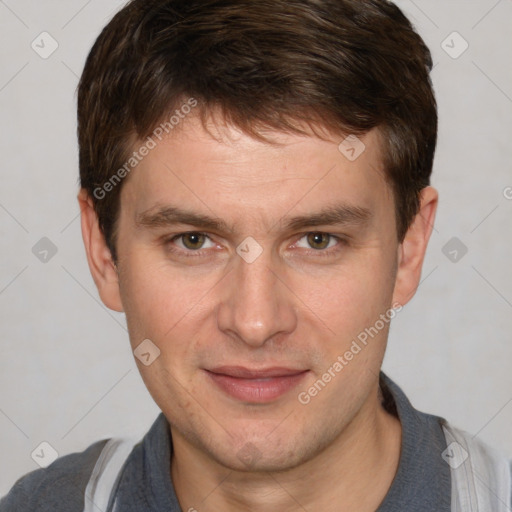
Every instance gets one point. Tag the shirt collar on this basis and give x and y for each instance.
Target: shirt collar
(423, 481)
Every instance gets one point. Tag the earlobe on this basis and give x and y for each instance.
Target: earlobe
(99, 257)
(411, 252)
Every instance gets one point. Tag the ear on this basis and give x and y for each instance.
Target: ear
(411, 252)
(101, 265)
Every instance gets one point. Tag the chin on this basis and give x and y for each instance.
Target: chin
(250, 460)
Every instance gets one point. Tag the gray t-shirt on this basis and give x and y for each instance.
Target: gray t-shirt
(422, 482)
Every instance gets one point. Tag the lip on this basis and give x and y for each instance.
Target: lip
(255, 385)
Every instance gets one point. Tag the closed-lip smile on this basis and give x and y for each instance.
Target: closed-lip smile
(253, 385)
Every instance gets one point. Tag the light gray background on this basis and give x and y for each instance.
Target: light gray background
(67, 374)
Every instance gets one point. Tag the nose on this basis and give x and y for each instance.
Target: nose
(256, 305)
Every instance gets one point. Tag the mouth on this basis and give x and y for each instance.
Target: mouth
(256, 385)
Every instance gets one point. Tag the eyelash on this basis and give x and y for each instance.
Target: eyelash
(188, 253)
(184, 252)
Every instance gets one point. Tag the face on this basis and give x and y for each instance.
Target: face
(253, 267)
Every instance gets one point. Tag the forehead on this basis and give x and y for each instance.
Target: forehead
(222, 170)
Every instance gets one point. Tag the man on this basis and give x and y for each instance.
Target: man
(255, 197)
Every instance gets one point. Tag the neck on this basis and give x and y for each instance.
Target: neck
(355, 472)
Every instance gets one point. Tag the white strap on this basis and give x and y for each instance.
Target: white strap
(105, 472)
(481, 476)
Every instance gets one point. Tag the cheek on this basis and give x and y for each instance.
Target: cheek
(161, 310)
(352, 296)
(156, 300)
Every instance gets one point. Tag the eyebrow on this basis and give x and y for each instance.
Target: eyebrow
(334, 215)
(170, 215)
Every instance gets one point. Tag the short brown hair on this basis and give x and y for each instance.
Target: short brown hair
(346, 65)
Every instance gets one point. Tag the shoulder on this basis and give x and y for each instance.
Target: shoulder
(463, 445)
(480, 473)
(60, 486)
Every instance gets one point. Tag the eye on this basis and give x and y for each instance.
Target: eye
(193, 241)
(317, 241)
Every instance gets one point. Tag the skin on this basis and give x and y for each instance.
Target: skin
(295, 306)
